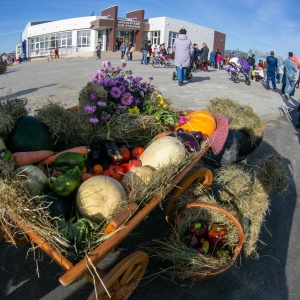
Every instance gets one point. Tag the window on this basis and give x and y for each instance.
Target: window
(172, 37)
(41, 44)
(84, 38)
(155, 37)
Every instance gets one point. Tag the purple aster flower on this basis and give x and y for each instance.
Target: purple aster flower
(93, 96)
(107, 82)
(101, 103)
(122, 88)
(123, 65)
(137, 79)
(126, 99)
(136, 101)
(90, 109)
(115, 92)
(94, 120)
(151, 78)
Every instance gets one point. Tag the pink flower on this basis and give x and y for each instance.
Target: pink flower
(126, 99)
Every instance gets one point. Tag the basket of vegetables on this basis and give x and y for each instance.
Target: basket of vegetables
(205, 241)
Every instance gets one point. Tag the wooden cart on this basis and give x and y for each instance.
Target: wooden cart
(121, 280)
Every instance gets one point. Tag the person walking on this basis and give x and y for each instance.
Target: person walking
(212, 59)
(122, 49)
(251, 62)
(98, 51)
(56, 53)
(204, 57)
(144, 49)
(271, 71)
(291, 75)
(183, 50)
(127, 51)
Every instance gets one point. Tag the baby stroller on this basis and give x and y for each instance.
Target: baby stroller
(188, 75)
(237, 66)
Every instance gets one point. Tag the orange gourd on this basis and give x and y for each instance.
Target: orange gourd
(200, 120)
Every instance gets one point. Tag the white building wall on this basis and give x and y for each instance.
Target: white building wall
(196, 33)
(61, 25)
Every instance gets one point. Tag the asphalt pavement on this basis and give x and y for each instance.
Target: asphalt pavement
(273, 275)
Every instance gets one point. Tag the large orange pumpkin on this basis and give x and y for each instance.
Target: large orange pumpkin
(200, 120)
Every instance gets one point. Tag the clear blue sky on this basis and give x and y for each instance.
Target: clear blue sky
(248, 24)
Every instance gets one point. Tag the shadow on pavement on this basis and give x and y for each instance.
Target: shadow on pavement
(24, 92)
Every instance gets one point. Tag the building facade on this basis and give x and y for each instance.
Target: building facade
(81, 35)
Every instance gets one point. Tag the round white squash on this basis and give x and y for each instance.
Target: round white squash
(162, 152)
(137, 177)
(98, 197)
(36, 180)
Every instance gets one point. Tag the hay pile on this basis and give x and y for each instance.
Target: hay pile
(10, 111)
(249, 192)
(242, 117)
(72, 126)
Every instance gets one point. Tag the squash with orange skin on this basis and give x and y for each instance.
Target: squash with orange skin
(200, 120)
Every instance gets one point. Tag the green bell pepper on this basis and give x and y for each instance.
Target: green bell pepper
(67, 183)
(5, 154)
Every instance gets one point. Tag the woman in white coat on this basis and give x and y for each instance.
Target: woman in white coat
(183, 49)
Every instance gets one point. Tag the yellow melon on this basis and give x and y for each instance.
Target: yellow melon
(200, 120)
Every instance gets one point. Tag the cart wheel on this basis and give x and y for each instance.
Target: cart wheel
(202, 177)
(174, 76)
(122, 279)
(247, 81)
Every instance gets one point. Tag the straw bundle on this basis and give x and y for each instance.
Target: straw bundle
(10, 111)
(72, 126)
(249, 191)
(242, 116)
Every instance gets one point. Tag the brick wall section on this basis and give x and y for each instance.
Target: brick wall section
(219, 41)
(113, 14)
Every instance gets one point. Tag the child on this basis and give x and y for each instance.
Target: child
(163, 53)
(219, 60)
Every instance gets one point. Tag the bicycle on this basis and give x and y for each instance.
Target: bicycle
(158, 61)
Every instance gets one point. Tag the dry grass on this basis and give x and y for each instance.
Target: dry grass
(249, 192)
(72, 126)
(10, 111)
(242, 116)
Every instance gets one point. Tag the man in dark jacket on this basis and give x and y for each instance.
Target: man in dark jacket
(144, 50)
(271, 71)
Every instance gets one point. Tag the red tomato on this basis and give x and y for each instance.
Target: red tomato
(112, 166)
(136, 152)
(125, 166)
(134, 163)
(125, 154)
(85, 176)
(108, 172)
(120, 169)
(117, 176)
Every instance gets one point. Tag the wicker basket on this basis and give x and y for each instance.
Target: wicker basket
(238, 247)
